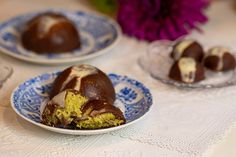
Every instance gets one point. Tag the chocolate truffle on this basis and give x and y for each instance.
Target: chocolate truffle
(219, 59)
(187, 48)
(50, 33)
(82, 97)
(187, 70)
(70, 109)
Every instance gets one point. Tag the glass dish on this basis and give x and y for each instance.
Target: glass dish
(157, 63)
(5, 72)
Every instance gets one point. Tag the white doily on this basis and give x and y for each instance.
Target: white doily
(181, 123)
(186, 121)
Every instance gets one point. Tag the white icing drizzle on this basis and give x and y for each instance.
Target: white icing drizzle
(59, 99)
(187, 68)
(79, 72)
(179, 49)
(45, 24)
(219, 52)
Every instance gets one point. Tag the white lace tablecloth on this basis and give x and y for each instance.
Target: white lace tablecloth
(183, 123)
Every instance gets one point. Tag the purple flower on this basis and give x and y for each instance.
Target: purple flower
(160, 19)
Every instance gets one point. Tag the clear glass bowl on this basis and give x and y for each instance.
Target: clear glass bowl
(5, 72)
(157, 62)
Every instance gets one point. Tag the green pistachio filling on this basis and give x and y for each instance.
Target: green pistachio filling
(101, 121)
(72, 109)
(71, 112)
(50, 119)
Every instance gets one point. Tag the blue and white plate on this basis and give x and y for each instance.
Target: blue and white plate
(132, 97)
(98, 35)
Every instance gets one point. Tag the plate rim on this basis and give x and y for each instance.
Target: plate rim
(78, 132)
(45, 61)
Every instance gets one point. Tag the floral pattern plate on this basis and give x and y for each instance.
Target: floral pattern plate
(132, 97)
(98, 35)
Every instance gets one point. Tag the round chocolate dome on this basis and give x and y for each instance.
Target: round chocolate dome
(82, 97)
(88, 80)
(187, 70)
(219, 59)
(50, 33)
(187, 48)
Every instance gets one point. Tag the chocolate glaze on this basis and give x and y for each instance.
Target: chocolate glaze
(175, 73)
(48, 111)
(193, 50)
(228, 62)
(60, 36)
(98, 107)
(94, 86)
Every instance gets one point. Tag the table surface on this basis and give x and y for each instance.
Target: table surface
(221, 27)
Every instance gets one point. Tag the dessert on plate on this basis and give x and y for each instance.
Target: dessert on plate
(82, 97)
(186, 64)
(219, 59)
(187, 48)
(50, 33)
(187, 70)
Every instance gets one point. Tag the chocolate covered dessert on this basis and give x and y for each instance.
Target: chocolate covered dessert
(50, 33)
(82, 97)
(187, 70)
(88, 80)
(219, 59)
(187, 48)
